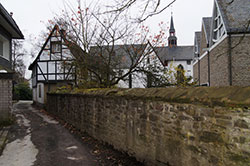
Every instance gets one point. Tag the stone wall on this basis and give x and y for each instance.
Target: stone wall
(5, 96)
(164, 126)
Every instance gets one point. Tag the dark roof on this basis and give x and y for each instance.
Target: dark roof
(9, 23)
(177, 53)
(207, 22)
(125, 55)
(197, 39)
(236, 15)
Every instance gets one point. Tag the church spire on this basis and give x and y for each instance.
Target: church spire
(172, 39)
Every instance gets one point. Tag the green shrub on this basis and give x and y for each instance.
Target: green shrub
(22, 91)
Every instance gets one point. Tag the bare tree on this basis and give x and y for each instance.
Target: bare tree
(18, 53)
(145, 8)
(107, 48)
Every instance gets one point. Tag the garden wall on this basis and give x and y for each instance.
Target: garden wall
(165, 127)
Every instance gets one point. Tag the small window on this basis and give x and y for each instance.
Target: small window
(166, 63)
(188, 62)
(56, 47)
(189, 71)
(1, 48)
(39, 91)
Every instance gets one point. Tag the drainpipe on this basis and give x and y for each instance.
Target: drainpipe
(199, 70)
(230, 59)
(208, 59)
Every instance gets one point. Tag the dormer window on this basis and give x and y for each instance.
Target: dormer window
(56, 47)
(218, 30)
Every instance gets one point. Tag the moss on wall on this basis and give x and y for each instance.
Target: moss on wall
(209, 96)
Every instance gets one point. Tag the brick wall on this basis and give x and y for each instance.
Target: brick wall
(241, 60)
(219, 65)
(161, 132)
(5, 96)
(196, 73)
(204, 70)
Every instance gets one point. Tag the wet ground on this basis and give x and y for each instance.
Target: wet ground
(37, 139)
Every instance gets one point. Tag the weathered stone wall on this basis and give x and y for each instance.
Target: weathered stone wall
(241, 60)
(5, 96)
(163, 126)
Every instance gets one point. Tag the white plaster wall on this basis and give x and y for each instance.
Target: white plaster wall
(188, 68)
(34, 94)
(40, 99)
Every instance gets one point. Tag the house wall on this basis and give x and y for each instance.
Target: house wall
(204, 70)
(219, 70)
(144, 124)
(40, 93)
(196, 72)
(5, 96)
(203, 41)
(241, 60)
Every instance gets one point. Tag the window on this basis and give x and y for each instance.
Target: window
(39, 91)
(166, 63)
(188, 62)
(1, 48)
(56, 47)
(219, 29)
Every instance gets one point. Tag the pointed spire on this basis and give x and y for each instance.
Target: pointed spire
(172, 30)
(172, 39)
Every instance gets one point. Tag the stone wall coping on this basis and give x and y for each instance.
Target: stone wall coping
(209, 96)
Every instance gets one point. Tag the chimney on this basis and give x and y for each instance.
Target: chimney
(11, 14)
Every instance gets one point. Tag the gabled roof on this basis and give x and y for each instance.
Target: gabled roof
(44, 45)
(125, 55)
(207, 23)
(175, 53)
(236, 15)
(197, 39)
(9, 24)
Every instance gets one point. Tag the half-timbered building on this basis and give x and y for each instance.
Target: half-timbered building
(53, 66)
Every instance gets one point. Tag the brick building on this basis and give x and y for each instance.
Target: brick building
(8, 31)
(223, 56)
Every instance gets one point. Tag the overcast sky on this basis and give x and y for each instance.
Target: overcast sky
(30, 16)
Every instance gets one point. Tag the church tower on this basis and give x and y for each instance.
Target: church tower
(172, 39)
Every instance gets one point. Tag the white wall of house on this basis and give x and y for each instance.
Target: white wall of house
(5, 45)
(40, 93)
(34, 90)
(187, 67)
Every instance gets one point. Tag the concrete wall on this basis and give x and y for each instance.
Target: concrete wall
(162, 132)
(5, 96)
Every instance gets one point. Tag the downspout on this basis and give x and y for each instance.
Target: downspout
(208, 67)
(199, 70)
(230, 59)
